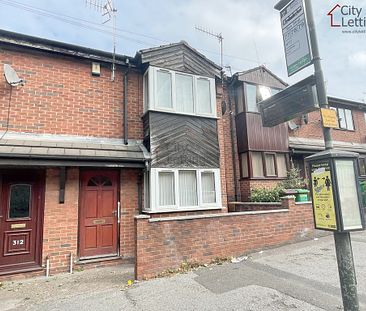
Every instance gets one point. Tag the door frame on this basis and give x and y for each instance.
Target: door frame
(118, 181)
(40, 181)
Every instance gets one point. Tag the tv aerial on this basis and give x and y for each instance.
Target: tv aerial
(109, 12)
(11, 76)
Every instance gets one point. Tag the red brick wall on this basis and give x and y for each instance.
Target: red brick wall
(313, 128)
(129, 208)
(60, 233)
(60, 237)
(222, 146)
(246, 185)
(62, 97)
(162, 245)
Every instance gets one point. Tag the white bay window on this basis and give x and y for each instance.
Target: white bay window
(182, 189)
(176, 92)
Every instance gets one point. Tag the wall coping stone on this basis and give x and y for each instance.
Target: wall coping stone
(208, 216)
(255, 203)
(142, 216)
(306, 202)
(182, 210)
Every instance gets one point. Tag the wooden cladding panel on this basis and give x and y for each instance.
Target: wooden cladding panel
(183, 141)
(253, 136)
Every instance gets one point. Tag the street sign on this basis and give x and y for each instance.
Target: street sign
(292, 102)
(295, 37)
(329, 117)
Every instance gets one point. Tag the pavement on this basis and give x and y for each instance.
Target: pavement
(301, 276)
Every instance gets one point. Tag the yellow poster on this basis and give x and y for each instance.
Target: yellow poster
(323, 202)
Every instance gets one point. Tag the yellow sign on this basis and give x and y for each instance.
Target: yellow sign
(329, 117)
(323, 202)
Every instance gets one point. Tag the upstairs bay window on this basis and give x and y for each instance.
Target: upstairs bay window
(175, 92)
(249, 95)
(180, 189)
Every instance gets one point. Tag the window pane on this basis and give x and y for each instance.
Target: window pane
(203, 96)
(166, 189)
(19, 201)
(348, 194)
(164, 89)
(281, 165)
(187, 188)
(275, 91)
(270, 164)
(244, 165)
(342, 118)
(257, 164)
(184, 93)
(240, 97)
(264, 92)
(251, 97)
(349, 119)
(208, 187)
(146, 91)
(362, 166)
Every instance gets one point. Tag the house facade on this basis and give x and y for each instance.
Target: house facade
(72, 156)
(82, 155)
(102, 166)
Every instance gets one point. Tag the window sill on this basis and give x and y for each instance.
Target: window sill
(182, 113)
(182, 209)
(263, 178)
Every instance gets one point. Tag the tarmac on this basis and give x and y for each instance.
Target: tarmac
(301, 276)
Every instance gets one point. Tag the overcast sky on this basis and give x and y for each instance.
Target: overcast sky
(251, 31)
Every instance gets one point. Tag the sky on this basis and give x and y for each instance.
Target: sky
(251, 30)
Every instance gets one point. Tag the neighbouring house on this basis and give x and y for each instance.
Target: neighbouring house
(261, 154)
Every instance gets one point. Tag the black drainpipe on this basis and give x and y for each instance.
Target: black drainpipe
(125, 101)
(231, 116)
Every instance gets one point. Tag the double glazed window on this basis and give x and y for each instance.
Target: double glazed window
(345, 120)
(170, 91)
(248, 95)
(185, 188)
(263, 164)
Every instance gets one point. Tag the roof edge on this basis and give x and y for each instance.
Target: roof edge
(47, 45)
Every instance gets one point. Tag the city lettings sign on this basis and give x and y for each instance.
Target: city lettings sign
(295, 37)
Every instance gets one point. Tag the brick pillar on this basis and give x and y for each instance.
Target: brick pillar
(141, 221)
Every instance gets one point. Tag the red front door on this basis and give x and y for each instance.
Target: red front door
(98, 214)
(21, 218)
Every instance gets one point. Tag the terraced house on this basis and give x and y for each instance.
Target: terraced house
(103, 166)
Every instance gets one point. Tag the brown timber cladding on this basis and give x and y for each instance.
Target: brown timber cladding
(253, 136)
(178, 141)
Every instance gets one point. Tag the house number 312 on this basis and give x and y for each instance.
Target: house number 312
(18, 242)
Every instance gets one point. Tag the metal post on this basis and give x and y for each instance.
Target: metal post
(318, 72)
(346, 270)
(342, 240)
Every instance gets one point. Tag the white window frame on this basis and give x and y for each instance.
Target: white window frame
(152, 99)
(154, 187)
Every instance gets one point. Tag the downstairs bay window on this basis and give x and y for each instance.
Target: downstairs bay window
(184, 189)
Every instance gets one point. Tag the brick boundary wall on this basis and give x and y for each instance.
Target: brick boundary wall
(164, 243)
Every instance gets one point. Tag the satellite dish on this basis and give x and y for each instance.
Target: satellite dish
(11, 76)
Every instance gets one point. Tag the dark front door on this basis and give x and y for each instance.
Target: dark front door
(21, 219)
(98, 214)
